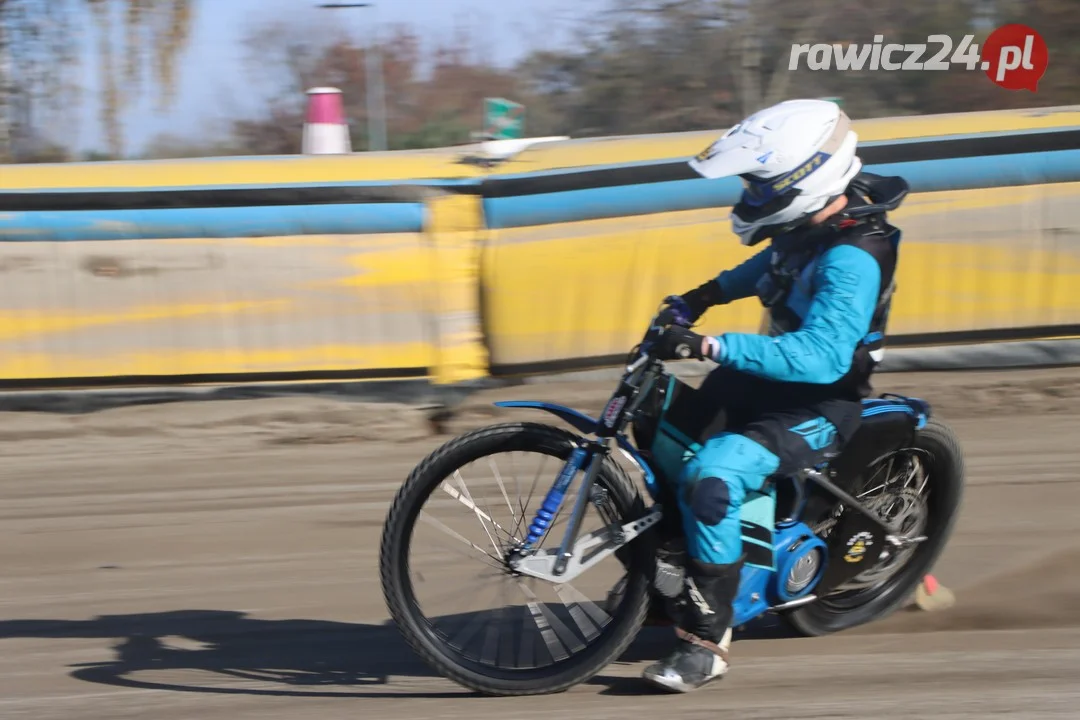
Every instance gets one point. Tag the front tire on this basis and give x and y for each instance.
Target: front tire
(626, 607)
(937, 446)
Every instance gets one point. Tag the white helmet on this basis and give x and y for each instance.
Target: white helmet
(793, 158)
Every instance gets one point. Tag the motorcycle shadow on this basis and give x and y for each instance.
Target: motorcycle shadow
(232, 653)
(201, 651)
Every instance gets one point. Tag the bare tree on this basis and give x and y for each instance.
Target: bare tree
(36, 71)
(155, 33)
(6, 73)
(760, 35)
(39, 58)
(434, 92)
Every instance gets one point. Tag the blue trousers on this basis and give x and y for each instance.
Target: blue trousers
(753, 429)
(712, 489)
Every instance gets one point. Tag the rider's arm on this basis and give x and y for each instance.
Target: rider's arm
(740, 281)
(734, 284)
(846, 283)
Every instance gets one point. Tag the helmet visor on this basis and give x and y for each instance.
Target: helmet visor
(757, 192)
(753, 206)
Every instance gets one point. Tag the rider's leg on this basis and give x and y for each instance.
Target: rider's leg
(711, 491)
(710, 494)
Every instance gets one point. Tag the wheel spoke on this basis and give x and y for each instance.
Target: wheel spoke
(554, 632)
(456, 598)
(466, 499)
(517, 490)
(506, 636)
(472, 627)
(527, 650)
(520, 529)
(461, 538)
(880, 486)
(589, 618)
(498, 479)
(489, 653)
(464, 637)
(917, 469)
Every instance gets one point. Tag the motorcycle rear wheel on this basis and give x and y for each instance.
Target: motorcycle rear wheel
(937, 451)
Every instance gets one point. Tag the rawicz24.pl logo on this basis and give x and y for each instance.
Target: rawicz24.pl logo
(1013, 56)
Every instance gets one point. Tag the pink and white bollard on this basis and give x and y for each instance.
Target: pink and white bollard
(325, 129)
(932, 595)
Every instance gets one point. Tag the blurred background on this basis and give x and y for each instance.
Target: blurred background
(111, 79)
(283, 260)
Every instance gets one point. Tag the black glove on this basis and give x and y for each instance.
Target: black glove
(701, 298)
(678, 343)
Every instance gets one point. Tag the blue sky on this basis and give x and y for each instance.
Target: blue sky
(213, 85)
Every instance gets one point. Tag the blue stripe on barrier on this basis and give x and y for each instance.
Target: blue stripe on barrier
(607, 202)
(212, 222)
(986, 172)
(502, 212)
(923, 176)
(421, 183)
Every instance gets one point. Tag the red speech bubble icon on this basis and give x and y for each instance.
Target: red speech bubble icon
(1015, 57)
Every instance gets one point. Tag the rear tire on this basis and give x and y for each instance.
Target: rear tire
(631, 604)
(941, 451)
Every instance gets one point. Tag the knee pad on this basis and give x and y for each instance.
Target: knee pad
(710, 500)
(741, 461)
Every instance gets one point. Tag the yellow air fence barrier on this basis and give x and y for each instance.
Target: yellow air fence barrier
(422, 265)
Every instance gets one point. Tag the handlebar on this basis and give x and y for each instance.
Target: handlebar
(642, 373)
(659, 324)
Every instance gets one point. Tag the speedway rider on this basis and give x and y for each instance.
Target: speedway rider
(790, 399)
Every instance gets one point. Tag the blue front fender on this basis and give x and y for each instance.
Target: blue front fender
(578, 420)
(587, 425)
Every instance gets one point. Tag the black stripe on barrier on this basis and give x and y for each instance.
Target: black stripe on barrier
(667, 171)
(69, 383)
(239, 197)
(916, 151)
(597, 362)
(892, 152)
(1035, 332)
(157, 199)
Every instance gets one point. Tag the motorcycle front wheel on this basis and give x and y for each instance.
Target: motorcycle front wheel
(445, 542)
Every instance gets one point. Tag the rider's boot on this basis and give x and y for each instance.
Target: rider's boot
(704, 614)
(668, 581)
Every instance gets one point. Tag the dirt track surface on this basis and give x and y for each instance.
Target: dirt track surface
(218, 560)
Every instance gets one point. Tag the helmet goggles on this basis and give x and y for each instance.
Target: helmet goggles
(759, 191)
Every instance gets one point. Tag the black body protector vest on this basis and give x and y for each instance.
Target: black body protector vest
(861, 224)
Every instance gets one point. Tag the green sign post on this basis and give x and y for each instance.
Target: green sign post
(503, 119)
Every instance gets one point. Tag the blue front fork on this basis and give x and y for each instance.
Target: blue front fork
(591, 457)
(555, 496)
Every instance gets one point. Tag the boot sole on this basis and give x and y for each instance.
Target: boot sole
(675, 686)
